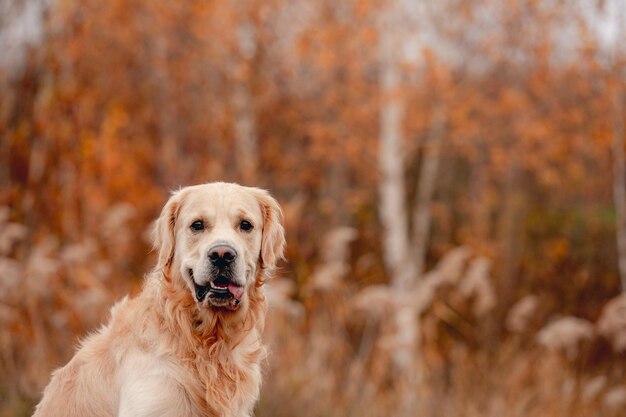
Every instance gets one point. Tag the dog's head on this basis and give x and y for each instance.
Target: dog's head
(219, 238)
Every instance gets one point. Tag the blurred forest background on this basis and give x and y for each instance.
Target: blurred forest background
(452, 175)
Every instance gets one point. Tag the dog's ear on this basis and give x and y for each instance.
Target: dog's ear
(273, 240)
(164, 230)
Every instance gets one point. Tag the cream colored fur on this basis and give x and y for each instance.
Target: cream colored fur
(163, 353)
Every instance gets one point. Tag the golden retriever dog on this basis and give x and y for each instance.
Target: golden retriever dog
(189, 344)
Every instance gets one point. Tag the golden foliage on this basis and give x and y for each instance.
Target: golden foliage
(124, 101)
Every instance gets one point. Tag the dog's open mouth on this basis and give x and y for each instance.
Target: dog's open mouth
(220, 289)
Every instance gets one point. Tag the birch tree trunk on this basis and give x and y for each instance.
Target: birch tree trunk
(406, 357)
(478, 190)
(245, 127)
(619, 181)
(392, 201)
(513, 206)
(615, 16)
(246, 137)
(168, 152)
(426, 188)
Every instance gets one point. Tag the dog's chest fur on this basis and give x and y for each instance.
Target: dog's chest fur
(230, 380)
(215, 365)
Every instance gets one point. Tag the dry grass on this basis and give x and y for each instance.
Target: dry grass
(334, 346)
(50, 295)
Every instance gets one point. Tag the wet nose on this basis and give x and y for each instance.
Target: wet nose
(222, 255)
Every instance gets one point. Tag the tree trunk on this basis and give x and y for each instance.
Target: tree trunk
(429, 170)
(510, 229)
(619, 181)
(615, 17)
(5, 159)
(168, 152)
(406, 358)
(479, 217)
(246, 138)
(393, 205)
(244, 123)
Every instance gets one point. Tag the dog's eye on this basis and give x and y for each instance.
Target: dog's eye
(197, 226)
(246, 226)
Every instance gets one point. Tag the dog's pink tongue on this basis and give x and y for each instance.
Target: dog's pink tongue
(235, 290)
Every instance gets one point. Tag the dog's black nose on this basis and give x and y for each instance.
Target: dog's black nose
(222, 255)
